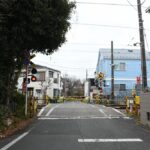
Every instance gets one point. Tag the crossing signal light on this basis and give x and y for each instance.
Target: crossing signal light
(34, 70)
(33, 78)
(24, 80)
(104, 81)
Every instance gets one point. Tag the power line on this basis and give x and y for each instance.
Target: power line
(103, 25)
(95, 3)
(71, 68)
(143, 2)
(132, 5)
(146, 42)
(109, 4)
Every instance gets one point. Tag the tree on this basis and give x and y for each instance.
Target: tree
(29, 26)
(72, 87)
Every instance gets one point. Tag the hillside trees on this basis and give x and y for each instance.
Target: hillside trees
(28, 26)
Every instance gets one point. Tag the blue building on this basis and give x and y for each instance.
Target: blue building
(127, 70)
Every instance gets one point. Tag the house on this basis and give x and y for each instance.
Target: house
(127, 70)
(48, 82)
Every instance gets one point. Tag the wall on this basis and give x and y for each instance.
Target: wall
(145, 107)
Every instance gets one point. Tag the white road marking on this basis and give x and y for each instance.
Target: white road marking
(79, 117)
(110, 140)
(119, 112)
(103, 112)
(50, 111)
(14, 141)
(41, 111)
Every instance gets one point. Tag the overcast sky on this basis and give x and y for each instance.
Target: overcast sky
(94, 24)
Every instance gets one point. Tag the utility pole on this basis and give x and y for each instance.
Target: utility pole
(86, 74)
(26, 93)
(112, 72)
(27, 57)
(142, 46)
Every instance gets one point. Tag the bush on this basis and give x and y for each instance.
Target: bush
(4, 113)
(18, 104)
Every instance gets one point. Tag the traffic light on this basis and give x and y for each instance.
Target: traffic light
(104, 81)
(24, 80)
(96, 83)
(33, 78)
(34, 71)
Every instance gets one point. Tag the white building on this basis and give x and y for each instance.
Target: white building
(48, 82)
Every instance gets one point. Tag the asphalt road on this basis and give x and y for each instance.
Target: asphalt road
(78, 126)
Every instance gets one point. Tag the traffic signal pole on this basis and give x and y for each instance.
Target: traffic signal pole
(112, 72)
(142, 46)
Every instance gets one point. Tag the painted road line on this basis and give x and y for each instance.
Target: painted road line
(41, 111)
(109, 140)
(103, 112)
(50, 111)
(119, 112)
(14, 141)
(71, 118)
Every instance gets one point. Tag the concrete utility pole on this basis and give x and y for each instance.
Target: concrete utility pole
(112, 72)
(86, 74)
(142, 46)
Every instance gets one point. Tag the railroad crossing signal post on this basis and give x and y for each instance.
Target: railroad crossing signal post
(28, 61)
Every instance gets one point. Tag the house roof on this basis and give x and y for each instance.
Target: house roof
(131, 54)
(45, 67)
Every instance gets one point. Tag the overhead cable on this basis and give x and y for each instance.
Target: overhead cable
(104, 25)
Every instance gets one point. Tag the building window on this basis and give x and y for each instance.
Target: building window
(40, 76)
(122, 87)
(116, 87)
(55, 80)
(51, 74)
(56, 92)
(57, 77)
(122, 66)
(38, 92)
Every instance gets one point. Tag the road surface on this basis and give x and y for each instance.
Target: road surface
(79, 126)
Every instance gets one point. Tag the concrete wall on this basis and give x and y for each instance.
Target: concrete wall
(145, 107)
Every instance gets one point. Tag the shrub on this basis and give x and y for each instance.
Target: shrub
(18, 104)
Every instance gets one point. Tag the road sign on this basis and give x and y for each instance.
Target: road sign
(101, 76)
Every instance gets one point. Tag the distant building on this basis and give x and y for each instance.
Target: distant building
(90, 89)
(48, 82)
(127, 72)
